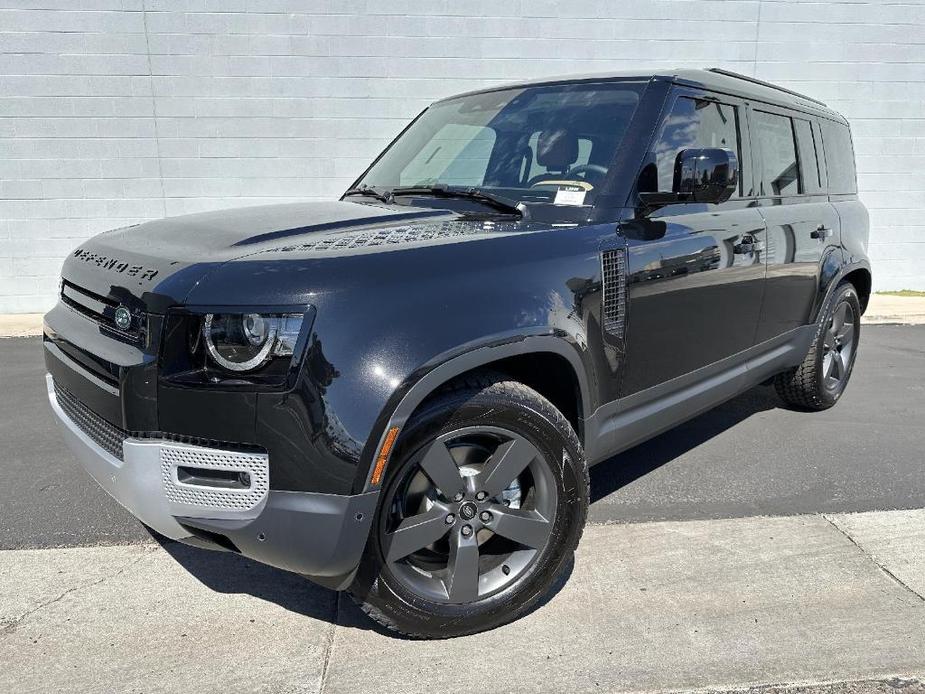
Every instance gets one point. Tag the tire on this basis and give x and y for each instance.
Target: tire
(488, 426)
(820, 380)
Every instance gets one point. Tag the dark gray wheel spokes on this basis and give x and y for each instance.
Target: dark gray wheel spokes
(838, 345)
(471, 516)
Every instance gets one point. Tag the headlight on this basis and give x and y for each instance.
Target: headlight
(247, 341)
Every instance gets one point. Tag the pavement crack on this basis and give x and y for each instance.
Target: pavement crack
(329, 645)
(873, 559)
(10, 625)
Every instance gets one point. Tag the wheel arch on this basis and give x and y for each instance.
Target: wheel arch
(834, 273)
(861, 279)
(549, 364)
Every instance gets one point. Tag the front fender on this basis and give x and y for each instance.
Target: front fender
(392, 325)
(426, 380)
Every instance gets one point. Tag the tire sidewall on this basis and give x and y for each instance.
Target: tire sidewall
(410, 613)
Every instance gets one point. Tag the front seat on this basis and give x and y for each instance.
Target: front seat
(556, 151)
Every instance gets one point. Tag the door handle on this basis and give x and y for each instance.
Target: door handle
(821, 232)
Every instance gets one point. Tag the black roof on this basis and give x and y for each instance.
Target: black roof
(714, 79)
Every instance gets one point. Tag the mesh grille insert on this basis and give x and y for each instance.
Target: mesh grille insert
(613, 265)
(107, 436)
(110, 437)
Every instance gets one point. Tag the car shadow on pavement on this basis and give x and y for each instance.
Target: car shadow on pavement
(227, 572)
(622, 469)
(230, 573)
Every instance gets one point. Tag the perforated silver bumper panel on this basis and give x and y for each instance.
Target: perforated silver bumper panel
(141, 463)
(202, 500)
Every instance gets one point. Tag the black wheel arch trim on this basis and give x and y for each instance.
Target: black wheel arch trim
(427, 379)
(831, 276)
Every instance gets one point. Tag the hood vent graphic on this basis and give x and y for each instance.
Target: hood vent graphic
(397, 235)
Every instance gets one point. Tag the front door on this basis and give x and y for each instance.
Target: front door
(695, 272)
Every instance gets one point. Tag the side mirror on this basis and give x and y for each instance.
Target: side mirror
(706, 175)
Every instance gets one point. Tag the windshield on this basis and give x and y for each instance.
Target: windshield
(546, 144)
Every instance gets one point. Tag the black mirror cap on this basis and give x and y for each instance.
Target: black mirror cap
(706, 175)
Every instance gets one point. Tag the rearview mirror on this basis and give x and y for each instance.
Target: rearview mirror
(706, 175)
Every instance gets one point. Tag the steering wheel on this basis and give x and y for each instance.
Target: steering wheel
(584, 169)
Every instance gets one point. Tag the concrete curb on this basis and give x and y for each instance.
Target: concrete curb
(20, 324)
(882, 310)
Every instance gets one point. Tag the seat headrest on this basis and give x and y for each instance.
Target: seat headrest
(556, 149)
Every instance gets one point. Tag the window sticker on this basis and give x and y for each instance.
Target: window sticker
(569, 195)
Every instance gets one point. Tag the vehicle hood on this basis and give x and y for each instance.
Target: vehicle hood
(159, 263)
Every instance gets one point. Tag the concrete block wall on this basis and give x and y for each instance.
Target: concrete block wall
(116, 111)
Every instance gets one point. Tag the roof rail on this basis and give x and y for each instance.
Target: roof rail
(754, 80)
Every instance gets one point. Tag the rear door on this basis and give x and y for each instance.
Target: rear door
(694, 271)
(802, 226)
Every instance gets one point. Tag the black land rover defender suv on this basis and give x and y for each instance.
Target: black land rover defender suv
(400, 393)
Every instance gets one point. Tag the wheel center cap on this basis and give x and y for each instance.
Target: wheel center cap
(468, 510)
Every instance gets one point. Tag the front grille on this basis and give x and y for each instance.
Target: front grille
(102, 310)
(107, 436)
(613, 265)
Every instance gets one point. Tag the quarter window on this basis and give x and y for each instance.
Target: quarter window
(692, 124)
(839, 158)
(777, 152)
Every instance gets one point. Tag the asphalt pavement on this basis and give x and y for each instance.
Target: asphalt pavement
(727, 554)
(748, 457)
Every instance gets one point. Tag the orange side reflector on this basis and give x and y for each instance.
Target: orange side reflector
(383, 456)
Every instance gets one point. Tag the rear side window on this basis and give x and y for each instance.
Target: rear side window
(839, 158)
(777, 154)
(692, 123)
(809, 156)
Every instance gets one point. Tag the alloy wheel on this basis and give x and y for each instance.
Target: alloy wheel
(838, 346)
(469, 514)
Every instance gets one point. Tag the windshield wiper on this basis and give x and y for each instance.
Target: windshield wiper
(444, 191)
(369, 192)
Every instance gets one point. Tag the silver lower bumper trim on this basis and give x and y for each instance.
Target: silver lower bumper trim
(147, 484)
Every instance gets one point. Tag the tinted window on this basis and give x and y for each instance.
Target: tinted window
(537, 169)
(457, 154)
(692, 123)
(513, 141)
(839, 158)
(809, 157)
(777, 154)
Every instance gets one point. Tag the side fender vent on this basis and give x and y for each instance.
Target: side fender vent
(613, 310)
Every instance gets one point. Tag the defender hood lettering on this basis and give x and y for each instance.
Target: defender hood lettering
(157, 264)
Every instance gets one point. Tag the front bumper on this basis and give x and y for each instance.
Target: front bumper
(321, 536)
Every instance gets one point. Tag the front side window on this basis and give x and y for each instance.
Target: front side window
(777, 154)
(691, 124)
(524, 144)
